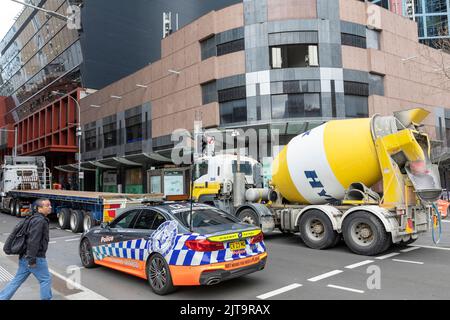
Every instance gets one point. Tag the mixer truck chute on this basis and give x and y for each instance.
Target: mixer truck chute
(321, 184)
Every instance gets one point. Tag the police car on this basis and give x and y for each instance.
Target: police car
(169, 244)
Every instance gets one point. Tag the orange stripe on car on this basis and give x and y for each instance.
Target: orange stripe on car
(190, 276)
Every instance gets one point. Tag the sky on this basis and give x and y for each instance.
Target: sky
(8, 11)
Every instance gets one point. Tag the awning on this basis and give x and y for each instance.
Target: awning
(133, 160)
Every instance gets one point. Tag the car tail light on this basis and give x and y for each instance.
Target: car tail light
(204, 245)
(256, 239)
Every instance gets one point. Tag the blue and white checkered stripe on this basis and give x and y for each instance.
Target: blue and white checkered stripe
(133, 249)
(180, 255)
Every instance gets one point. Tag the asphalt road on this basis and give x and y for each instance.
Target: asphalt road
(293, 272)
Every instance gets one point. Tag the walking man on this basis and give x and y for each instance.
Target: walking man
(33, 260)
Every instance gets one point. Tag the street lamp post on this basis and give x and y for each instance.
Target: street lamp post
(78, 133)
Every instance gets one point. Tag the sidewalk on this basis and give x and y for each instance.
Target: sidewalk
(30, 288)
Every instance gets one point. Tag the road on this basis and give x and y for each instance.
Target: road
(293, 272)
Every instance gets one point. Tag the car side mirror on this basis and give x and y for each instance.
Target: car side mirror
(104, 225)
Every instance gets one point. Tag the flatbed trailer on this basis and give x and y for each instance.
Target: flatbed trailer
(76, 210)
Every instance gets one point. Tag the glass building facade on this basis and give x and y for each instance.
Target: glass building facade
(36, 52)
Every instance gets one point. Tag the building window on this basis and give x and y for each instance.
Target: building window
(230, 47)
(233, 111)
(376, 85)
(356, 106)
(208, 48)
(435, 6)
(356, 88)
(353, 40)
(90, 140)
(209, 92)
(134, 128)
(437, 26)
(420, 26)
(235, 93)
(294, 56)
(233, 105)
(296, 106)
(110, 135)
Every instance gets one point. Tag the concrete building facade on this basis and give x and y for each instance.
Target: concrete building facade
(288, 65)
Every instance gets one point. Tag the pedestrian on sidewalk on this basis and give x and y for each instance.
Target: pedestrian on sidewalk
(32, 260)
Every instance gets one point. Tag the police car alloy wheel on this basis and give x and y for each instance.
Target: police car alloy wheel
(159, 276)
(87, 258)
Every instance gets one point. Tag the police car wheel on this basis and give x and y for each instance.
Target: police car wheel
(158, 275)
(86, 255)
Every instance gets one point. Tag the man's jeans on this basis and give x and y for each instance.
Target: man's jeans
(40, 272)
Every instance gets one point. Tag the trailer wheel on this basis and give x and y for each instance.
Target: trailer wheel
(11, 207)
(17, 206)
(64, 218)
(365, 234)
(76, 221)
(317, 231)
(249, 216)
(88, 221)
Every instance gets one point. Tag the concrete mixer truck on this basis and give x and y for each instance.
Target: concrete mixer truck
(321, 183)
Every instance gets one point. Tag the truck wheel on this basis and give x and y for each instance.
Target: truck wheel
(317, 231)
(17, 206)
(86, 255)
(64, 218)
(11, 207)
(365, 234)
(88, 221)
(76, 221)
(158, 275)
(249, 216)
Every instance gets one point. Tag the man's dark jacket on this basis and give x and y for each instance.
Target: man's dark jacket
(37, 239)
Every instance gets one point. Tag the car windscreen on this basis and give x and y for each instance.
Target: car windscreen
(204, 218)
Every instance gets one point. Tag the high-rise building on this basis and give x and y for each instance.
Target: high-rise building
(41, 53)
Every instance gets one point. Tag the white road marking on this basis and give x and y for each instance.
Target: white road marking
(87, 294)
(345, 288)
(445, 221)
(430, 247)
(352, 266)
(388, 256)
(66, 237)
(69, 240)
(51, 242)
(407, 261)
(279, 291)
(5, 276)
(409, 249)
(325, 275)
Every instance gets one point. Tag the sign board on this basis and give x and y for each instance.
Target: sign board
(173, 183)
(81, 175)
(109, 178)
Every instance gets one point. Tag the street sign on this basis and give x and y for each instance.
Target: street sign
(81, 174)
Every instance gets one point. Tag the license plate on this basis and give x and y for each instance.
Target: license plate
(239, 245)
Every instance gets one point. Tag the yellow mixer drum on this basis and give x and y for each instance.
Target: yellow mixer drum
(317, 166)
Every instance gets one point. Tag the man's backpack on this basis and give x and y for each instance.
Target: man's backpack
(16, 242)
